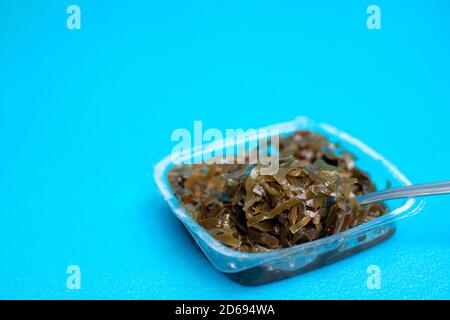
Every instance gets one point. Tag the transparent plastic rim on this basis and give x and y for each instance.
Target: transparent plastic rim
(410, 207)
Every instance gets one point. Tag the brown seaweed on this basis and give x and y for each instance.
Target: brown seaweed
(311, 196)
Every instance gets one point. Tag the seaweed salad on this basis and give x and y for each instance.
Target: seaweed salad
(311, 196)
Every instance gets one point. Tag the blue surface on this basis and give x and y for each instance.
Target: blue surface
(85, 114)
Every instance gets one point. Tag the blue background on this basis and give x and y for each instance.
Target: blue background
(86, 114)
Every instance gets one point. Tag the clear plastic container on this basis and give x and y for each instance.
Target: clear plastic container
(259, 268)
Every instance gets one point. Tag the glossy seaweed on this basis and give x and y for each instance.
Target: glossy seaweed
(311, 196)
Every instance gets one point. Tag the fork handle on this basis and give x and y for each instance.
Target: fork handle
(427, 189)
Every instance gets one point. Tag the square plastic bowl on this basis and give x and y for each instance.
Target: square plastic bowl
(258, 268)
